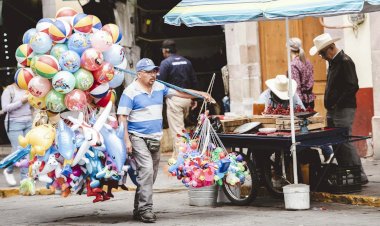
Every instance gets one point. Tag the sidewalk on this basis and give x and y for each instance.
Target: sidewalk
(369, 196)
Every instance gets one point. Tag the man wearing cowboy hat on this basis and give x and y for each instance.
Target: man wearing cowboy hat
(277, 93)
(340, 95)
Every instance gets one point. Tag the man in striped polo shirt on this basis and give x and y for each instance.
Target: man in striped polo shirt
(140, 110)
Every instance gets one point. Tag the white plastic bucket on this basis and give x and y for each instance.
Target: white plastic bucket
(297, 196)
(204, 196)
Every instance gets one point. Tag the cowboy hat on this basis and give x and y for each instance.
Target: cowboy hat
(321, 42)
(279, 86)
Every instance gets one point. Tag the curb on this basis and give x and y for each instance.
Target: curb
(361, 200)
(9, 192)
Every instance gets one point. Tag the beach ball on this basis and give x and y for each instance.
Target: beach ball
(58, 49)
(41, 42)
(39, 86)
(46, 66)
(63, 82)
(28, 35)
(96, 23)
(91, 59)
(55, 101)
(114, 31)
(99, 90)
(104, 74)
(69, 61)
(102, 102)
(117, 80)
(79, 42)
(22, 77)
(59, 31)
(83, 79)
(33, 63)
(66, 14)
(76, 100)
(115, 55)
(101, 40)
(82, 23)
(37, 102)
(24, 54)
(44, 24)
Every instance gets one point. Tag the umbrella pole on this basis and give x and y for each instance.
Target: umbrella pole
(291, 104)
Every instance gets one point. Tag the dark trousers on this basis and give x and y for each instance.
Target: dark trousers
(346, 154)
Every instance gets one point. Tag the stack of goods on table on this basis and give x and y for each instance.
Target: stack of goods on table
(277, 118)
(69, 67)
(202, 160)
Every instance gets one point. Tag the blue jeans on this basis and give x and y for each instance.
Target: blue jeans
(16, 129)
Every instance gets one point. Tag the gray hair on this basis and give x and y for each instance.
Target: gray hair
(295, 45)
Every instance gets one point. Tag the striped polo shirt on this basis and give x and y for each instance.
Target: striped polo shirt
(144, 109)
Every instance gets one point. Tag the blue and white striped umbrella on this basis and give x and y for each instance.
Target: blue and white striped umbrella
(218, 12)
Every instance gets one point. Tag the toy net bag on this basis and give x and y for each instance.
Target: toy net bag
(202, 160)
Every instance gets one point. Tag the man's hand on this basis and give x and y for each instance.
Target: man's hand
(129, 146)
(208, 97)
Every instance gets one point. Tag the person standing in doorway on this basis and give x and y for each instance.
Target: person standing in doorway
(18, 121)
(302, 73)
(177, 70)
(340, 96)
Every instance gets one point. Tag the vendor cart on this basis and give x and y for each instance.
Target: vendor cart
(269, 161)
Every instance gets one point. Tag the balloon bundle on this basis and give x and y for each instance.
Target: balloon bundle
(87, 155)
(202, 160)
(68, 62)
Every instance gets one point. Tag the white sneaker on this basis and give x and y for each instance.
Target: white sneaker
(9, 178)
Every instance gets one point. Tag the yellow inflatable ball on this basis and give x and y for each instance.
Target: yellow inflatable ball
(37, 102)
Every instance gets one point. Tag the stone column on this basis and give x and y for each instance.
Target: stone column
(243, 61)
(375, 54)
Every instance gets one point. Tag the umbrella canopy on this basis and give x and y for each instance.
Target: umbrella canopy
(218, 12)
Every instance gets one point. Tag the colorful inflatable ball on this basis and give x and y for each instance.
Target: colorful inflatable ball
(69, 61)
(76, 100)
(115, 55)
(102, 102)
(37, 102)
(79, 42)
(24, 54)
(46, 66)
(114, 31)
(59, 31)
(96, 23)
(39, 86)
(99, 90)
(23, 77)
(41, 43)
(57, 50)
(101, 40)
(28, 35)
(66, 14)
(55, 101)
(82, 23)
(104, 74)
(63, 82)
(44, 24)
(91, 59)
(83, 79)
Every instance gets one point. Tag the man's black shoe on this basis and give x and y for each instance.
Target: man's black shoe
(148, 217)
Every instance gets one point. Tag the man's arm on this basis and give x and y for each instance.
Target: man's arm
(205, 95)
(123, 120)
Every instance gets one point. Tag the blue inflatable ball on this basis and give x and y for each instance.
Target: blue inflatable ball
(69, 61)
(79, 42)
(114, 55)
(41, 42)
(28, 35)
(117, 80)
(58, 49)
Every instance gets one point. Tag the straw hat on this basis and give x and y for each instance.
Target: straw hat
(279, 86)
(321, 42)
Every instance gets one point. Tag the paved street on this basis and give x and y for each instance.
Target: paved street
(172, 209)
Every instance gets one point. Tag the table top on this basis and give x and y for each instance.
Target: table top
(323, 137)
